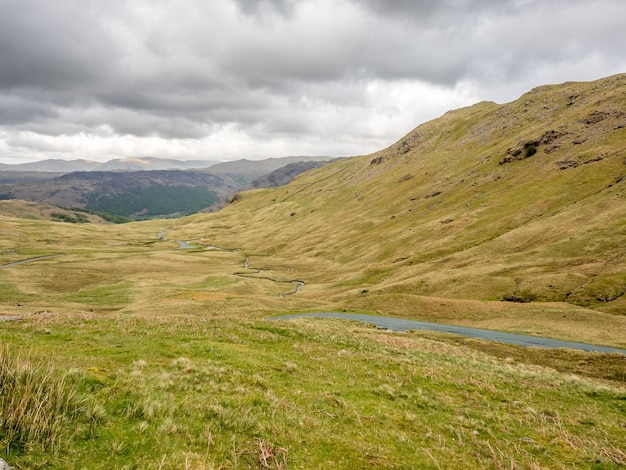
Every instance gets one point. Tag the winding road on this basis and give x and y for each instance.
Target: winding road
(401, 324)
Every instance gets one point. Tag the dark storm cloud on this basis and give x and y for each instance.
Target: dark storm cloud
(15, 110)
(289, 71)
(51, 45)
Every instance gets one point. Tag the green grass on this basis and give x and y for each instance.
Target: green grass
(319, 394)
(107, 295)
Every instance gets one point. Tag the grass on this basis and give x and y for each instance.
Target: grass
(226, 392)
(107, 295)
(36, 405)
(166, 361)
(185, 372)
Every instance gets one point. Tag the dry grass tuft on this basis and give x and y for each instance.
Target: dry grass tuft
(35, 403)
(267, 455)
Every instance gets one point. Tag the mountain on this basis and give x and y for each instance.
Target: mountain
(254, 167)
(147, 164)
(285, 174)
(138, 194)
(52, 166)
(521, 202)
(244, 171)
(126, 164)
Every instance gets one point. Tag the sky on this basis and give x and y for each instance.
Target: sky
(230, 79)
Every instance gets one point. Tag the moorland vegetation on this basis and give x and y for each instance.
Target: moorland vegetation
(510, 217)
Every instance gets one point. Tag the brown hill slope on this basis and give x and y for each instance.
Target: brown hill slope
(36, 211)
(522, 201)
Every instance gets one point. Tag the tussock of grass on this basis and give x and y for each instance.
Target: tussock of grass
(36, 404)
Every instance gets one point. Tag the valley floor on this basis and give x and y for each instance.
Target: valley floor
(163, 358)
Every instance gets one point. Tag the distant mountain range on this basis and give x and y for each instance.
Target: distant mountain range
(126, 164)
(140, 193)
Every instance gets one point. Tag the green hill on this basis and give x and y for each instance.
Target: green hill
(523, 201)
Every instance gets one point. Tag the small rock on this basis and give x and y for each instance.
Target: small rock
(4, 465)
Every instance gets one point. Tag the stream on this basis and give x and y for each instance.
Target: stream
(400, 324)
(299, 282)
(183, 245)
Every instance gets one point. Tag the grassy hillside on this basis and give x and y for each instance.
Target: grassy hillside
(453, 210)
(160, 357)
(31, 210)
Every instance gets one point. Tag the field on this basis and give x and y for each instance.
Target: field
(167, 361)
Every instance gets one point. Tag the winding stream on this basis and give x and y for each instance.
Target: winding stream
(246, 265)
(182, 245)
(401, 324)
(391, 323)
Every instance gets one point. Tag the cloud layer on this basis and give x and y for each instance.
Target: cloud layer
(260, 78)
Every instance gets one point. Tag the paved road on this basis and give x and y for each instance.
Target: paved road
(400, 324)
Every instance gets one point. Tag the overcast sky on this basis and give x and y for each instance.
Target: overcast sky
(229, 79)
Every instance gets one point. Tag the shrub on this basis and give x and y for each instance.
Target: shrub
(530, 148)
(530, 151)
(76, 219)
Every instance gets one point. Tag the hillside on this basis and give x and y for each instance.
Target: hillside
(143, 194)
(522, 201)
(35, 211)
(245, 171)
(284, 175)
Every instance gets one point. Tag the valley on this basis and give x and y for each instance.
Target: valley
(137, 189)
(155, 334)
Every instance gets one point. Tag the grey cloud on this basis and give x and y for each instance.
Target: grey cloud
(52, 45)
(426, 10)
(255, 7)
(15, 110)
(278, 68)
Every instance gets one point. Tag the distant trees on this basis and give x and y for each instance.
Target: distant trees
(73, 219)
(152, 201)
